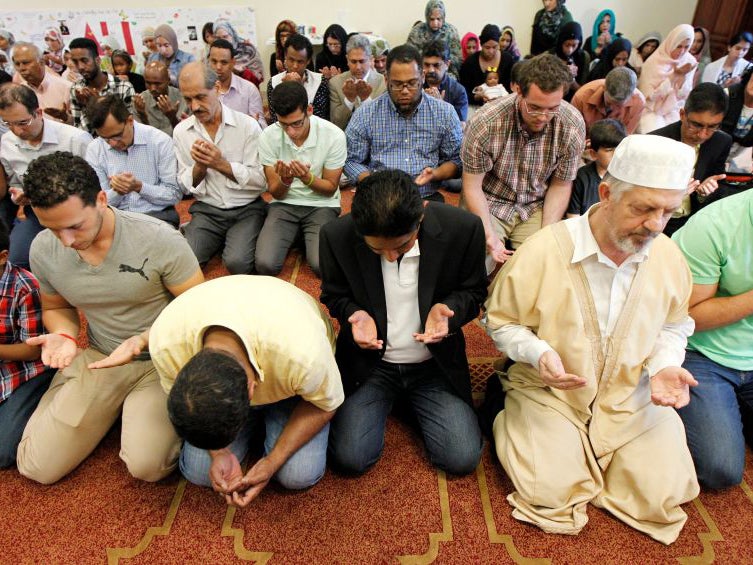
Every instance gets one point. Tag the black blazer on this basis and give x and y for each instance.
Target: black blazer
(451, 271)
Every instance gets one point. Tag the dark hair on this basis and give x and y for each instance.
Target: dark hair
(123, 55)
(546, 71)
(4, 236)
(437, 48)
(606, 134)
(97, 109)
(209, 403)
(404, 54)
(223, 44)
(298, 42)
(52, 179)
(707, 97)
(742, 36)
(387, 204)
(287, 97)
(85, 43)
(517, 70)
(746, 76)
(207, 27)
(12, 93)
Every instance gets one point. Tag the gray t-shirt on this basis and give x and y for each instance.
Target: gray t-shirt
(155, 116)
(124, 295)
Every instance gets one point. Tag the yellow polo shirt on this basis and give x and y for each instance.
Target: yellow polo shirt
(289, 339)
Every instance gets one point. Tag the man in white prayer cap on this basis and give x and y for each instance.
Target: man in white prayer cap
(593, 311)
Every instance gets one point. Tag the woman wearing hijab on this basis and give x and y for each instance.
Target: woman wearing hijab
(474, 69)
(507, 43)
(701, 50)
(284, 29)
(7, 41)
(603, 34)
(469, 45)
(546, 25)
(53, 55)
(331, 61)
(436, 28)
(568, 48)
(667, 79)
(643, 49)
(167, 51)
(616, 54)
(248, 63)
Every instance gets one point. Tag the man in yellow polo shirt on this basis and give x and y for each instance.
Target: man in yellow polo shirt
(229, 343)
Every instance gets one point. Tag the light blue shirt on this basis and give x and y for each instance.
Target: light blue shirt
(324, 148)
(150, 158)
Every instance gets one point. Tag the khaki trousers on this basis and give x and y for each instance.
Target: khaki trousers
(556, 474)
(81, 406)
(517, 230)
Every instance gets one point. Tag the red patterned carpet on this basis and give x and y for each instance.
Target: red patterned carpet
(402, 511)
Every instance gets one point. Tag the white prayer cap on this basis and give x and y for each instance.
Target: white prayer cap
(653, 161)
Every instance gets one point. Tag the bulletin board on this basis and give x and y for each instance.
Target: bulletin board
(126, 24)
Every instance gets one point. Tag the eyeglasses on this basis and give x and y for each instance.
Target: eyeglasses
(18, 124)
(117, 137)
(545, 113)
(695, 126)
(293, 125)
(411, 85)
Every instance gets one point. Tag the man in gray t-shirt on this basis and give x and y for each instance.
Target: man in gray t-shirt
(120, 269)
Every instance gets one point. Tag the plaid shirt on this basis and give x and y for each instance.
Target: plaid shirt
(516, 165)
(20, 319)
(114, 86)
(379, 137)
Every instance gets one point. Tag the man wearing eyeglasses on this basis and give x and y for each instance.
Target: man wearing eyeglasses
(303, 157)
(30, 136)
(358, 86)
(520, 156)
(405, 129)
(218, 163)
(135, 163)
(700, 127)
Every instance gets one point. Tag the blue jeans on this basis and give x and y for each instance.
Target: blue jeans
(16, 410)
(448, 423)
(21, 236)
(304, 468)
(713, 422)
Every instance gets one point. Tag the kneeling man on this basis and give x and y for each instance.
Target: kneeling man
(403, 278)
(594, 311)
(244, 339)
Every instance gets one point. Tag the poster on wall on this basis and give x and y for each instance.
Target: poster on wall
(125, 25)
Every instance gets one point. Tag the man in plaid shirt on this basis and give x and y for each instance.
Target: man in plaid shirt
(520, 156)
(23, 379)
(93, 82)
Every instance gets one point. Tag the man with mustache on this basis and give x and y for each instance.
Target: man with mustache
(439, 84)
(160, 105)
(218, 163)
(594, 313)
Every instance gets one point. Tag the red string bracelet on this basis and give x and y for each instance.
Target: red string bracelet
(73, 339)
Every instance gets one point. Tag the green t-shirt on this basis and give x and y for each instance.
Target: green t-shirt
(718, 244)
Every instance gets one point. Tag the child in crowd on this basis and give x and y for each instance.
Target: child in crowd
(605, 137)
(491, 88)
(23, 378)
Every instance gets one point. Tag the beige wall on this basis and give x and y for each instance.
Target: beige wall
(393, 18)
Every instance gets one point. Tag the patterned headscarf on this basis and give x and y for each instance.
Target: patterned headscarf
(551, 21)
(54, 33)
(512, 49)
(246, 55)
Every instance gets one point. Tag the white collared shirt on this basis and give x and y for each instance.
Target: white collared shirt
(610, 285)
(237, 138)
(351, 105)
(403, 318)
(16, 154)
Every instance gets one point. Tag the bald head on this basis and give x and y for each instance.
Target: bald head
(197, 85)
(157, 78)
(27, 59)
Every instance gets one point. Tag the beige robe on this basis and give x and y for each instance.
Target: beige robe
(604, 443)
